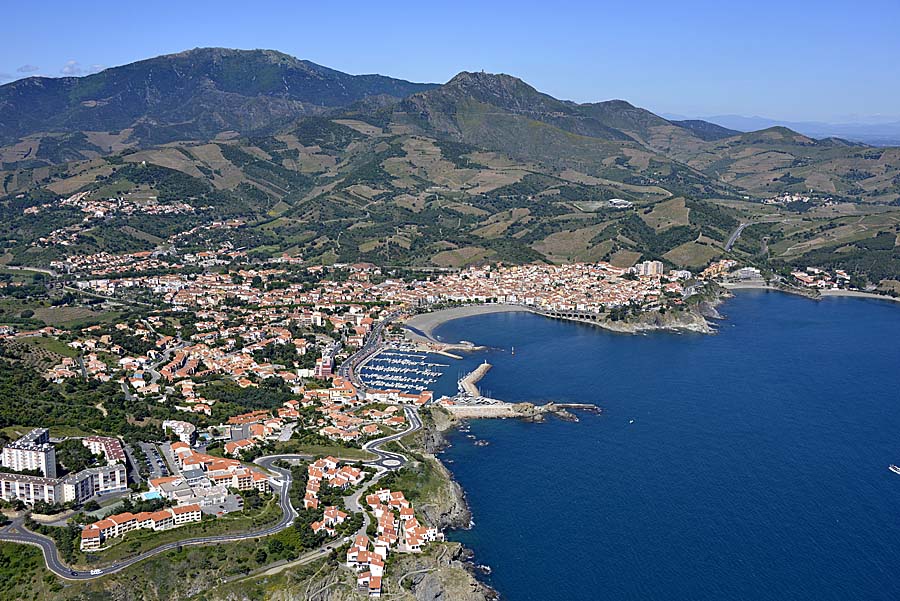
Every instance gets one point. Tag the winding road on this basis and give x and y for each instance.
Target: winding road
(17, 533)
(385, 460)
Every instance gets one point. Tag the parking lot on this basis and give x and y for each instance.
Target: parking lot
(155, 463)
(232, 503)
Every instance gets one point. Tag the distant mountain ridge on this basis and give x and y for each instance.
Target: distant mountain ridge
(706, 130)
(340, 168)
(885, 133)
(203, 92)
(219, 95)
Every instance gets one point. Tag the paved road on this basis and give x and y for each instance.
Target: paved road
(734, 236)
(43, 270)
(286, 432)
(17, 533)
(386, 460)
(120, 301)
(135, 471)
(372, 345)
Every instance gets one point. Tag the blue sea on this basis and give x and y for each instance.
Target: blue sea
(752, 464)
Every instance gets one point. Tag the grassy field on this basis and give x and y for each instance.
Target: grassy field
(625, 258)
(19, 276)
(322, 451)
(13, 432)
(41, 353)
(23, 575)
(51, 345)
(193, 572)
(667, 214)
(693, 255)
(460, 257)
(567, 246)
(62, 317)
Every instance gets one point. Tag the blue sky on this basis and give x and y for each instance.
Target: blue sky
(793, 60)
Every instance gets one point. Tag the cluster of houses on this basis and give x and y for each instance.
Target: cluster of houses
(397, 529)
(341, 418)
(330, 471)
(369, 565)
(397, 523)
(68, 367)
(249, 429)
(94, 536)
(331, 518)
(717, 269)
(341, 303)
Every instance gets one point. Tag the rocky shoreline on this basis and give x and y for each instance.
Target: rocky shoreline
(452, 512)
(525, 411)
(681, 321)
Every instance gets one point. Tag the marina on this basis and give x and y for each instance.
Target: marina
(401, 368)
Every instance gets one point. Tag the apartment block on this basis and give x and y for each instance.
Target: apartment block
(31, 452)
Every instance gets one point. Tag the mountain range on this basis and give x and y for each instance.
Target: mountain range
(333, 166)
(194, 94)
(878, 132)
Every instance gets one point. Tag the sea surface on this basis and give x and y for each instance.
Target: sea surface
(752, 464)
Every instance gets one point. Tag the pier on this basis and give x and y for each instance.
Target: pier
(468, 383)
(463, 406)
(495, 410)
(579, 406)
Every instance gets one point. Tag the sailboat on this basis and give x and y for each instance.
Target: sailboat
(514, 351)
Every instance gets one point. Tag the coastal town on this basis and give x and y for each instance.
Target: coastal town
(332, 302)
(266, 387)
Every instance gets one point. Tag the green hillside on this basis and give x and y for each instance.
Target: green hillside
(483, 168)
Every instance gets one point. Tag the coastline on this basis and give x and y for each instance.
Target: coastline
(751, 285)
(449, 510)
(420, 327)
(444, 419)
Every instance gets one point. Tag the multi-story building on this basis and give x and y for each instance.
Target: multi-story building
(324, 368)
(185, 431)
(649, 268)
(29, 489)
(102, 480)
(186, 514)
(109, 447)
(94, 535)
(31, 452)
(77, 487)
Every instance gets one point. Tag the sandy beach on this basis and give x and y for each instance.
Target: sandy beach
(423, 325)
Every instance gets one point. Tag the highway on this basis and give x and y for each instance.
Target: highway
(385, 460)
(734, 236)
